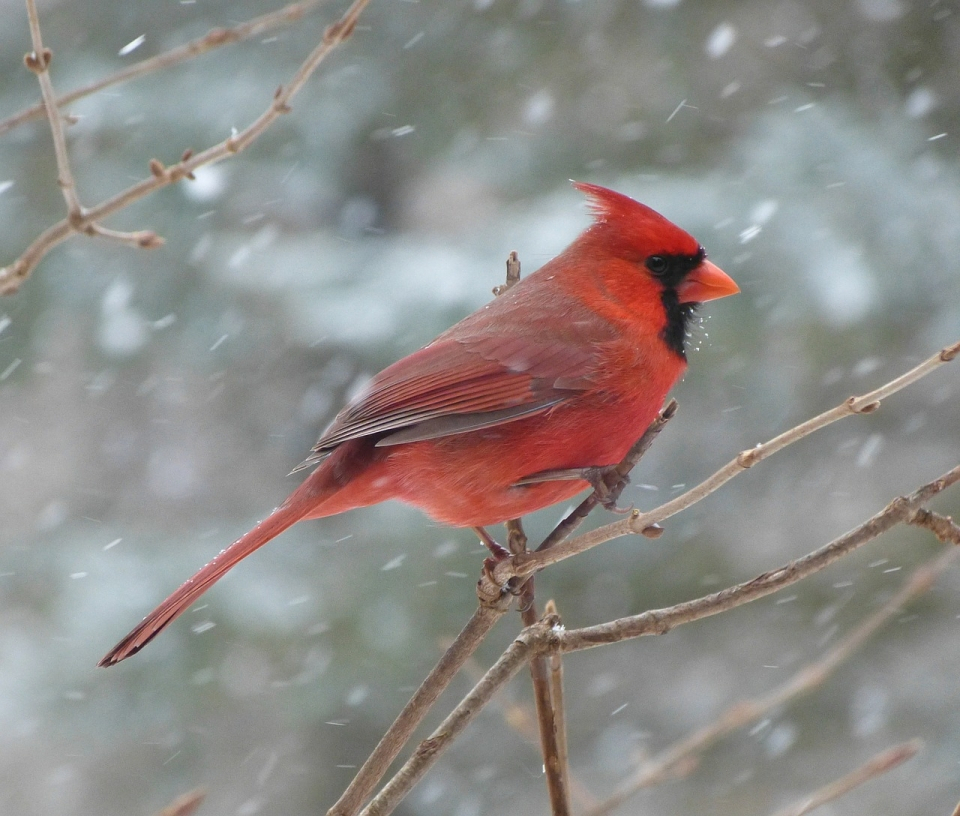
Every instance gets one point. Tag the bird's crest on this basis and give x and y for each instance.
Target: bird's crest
(632, 226)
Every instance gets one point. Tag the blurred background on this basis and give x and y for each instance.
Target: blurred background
(152, 402)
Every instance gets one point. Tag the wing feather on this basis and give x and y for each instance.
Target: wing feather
(474, 377)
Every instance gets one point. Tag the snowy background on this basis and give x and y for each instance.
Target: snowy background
(152, 402)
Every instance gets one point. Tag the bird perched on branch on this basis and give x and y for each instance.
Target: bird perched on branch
(516, 406)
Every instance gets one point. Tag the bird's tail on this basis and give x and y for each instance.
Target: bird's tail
(321, 494)
(283, 517)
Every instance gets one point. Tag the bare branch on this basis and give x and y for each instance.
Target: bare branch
(877, 766)
(528, 563)
(546, 638)
(661, 621)
(550, 718)
(677, 758)
(943, 527)
(556, 695)
(528, 643)
(12, 276)
(214, 38)
(39, 61)
(513, 274)
(417, 708)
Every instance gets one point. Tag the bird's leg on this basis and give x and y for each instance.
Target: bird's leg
(517, 542)
(498, 551)
(607, 482)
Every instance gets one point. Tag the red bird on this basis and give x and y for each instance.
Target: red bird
(560, 373)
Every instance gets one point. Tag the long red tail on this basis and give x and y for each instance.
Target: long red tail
(321, 494)
(283, 517)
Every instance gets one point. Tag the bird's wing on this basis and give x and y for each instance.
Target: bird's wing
(461, 384)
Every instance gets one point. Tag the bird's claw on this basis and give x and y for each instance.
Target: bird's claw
(608, 495)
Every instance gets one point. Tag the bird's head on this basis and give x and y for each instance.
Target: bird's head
(668, 259)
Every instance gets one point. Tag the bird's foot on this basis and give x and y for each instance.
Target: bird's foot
(608, 483)
(498, 553)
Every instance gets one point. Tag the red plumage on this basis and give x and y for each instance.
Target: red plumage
(563, 371)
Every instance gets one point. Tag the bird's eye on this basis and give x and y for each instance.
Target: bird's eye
(657, 264)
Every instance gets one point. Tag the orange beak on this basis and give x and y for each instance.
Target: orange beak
(707, 282)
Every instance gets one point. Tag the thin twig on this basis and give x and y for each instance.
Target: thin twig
(185, 805)
(529, 563)
(546, 638)
(877, 766)
(39, 61)
(417, 708)
(679, 757)
(12, 276)
(943, 527)
(214, 38)
(513, 274)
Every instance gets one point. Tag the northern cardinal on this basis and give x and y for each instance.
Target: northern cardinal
(557, 376)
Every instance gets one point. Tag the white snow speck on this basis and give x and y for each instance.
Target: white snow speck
(393, 563)
(76, 575)
(921, 102)
(730, 89)
(539, 108)
(112, 544)
(357, 695)
(868, 453)
(10, 369)
(122, 330)
(775, 41)
(882, 11)
(5, 185)
(721, 40)
(202, 627)
(764, 210)
(209, 183)
(131, 46)
(780, 739)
